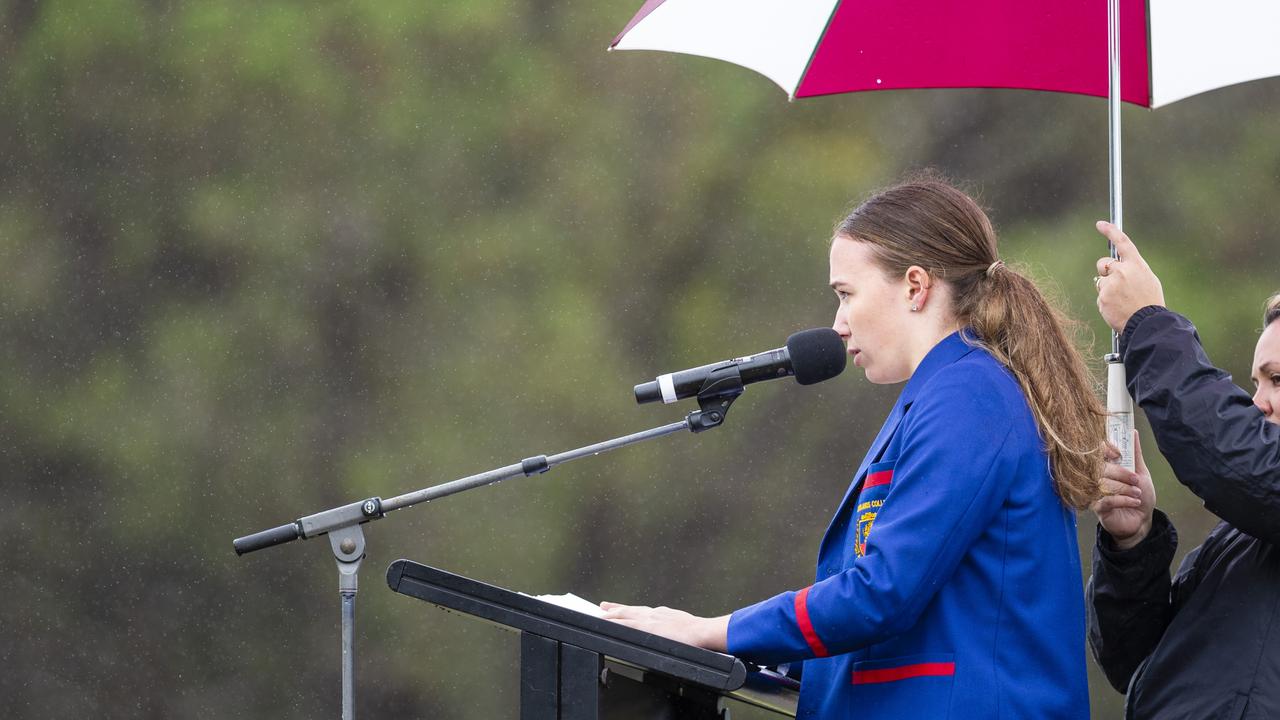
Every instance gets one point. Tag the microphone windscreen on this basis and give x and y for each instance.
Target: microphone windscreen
(816, 355)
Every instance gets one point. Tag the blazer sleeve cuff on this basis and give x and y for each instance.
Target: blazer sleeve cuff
(774, 631)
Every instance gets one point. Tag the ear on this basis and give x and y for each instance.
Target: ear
(918, 282)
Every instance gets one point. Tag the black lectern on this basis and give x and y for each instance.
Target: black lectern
(577, 667)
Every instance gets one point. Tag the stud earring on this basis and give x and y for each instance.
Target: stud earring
(915, 308)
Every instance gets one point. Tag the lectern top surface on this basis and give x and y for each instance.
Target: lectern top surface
(521, 612)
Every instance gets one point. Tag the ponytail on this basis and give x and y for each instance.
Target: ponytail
(930, 223)
(1018, 326)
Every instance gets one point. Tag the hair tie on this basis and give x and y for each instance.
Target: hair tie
(994, 266)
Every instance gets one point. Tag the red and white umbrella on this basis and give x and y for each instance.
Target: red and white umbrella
(1146, 52)
(1170, 49)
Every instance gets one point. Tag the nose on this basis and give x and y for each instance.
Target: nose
(1262, 401)
(840, 326)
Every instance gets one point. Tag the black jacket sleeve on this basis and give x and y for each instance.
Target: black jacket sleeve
(1128, 599)
(1217, 442)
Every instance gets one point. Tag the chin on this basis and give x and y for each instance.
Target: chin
(878, 376)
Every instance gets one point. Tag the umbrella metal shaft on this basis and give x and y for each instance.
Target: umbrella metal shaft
(1113, 112)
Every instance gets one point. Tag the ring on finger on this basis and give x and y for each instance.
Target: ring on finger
(1097, 282)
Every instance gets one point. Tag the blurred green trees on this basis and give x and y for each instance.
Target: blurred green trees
(259, 260)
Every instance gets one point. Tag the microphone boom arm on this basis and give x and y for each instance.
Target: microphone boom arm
(346, 537)
(719, 391)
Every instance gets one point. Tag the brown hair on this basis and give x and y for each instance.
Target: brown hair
(928, 222)
(1271, 310)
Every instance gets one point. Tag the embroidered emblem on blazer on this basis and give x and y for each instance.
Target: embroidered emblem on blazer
(870, 500)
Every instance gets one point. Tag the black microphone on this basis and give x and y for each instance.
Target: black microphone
(810, 355)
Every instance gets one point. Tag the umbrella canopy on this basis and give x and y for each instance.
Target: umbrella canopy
(1146, 52)
(1170, 49)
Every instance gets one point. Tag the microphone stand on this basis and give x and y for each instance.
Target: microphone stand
(346, 538)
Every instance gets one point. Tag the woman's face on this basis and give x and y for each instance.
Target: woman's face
(873, 315)
(1266, 372)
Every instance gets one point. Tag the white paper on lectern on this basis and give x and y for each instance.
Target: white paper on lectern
(571, 602)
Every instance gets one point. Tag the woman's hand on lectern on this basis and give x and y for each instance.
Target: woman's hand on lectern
(678, 625)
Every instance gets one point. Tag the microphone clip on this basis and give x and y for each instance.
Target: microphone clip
(722, 386)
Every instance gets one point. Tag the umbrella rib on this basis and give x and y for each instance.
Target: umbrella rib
(817, 43)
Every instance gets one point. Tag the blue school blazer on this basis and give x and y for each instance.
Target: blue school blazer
(949, 581)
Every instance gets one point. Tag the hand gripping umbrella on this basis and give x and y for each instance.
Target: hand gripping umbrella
(1168, 50)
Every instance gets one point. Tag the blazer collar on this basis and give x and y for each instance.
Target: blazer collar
(947, 351)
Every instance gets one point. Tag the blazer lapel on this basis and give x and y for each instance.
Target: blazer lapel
(951, 349)
(835, 527)
(877, 449)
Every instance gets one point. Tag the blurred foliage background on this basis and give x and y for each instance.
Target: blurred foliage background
(263, 259)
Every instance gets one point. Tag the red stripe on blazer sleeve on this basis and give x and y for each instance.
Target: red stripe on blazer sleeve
(806, 625)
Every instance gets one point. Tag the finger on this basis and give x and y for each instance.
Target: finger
(624, 617)
(1104, 266)
(1113, 471)
(1111, 487)
(1120, 484)
(616, 611)
(1125, 249)
(606, 605)
(1115, 502)
(1119, 473)
(1138, 462)
(1111, 452)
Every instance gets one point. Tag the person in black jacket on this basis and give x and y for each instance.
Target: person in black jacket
(1206, 642)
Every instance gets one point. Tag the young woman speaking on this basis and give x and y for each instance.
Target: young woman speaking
(948, 583)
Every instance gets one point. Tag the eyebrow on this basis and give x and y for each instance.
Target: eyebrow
(1270, 367)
